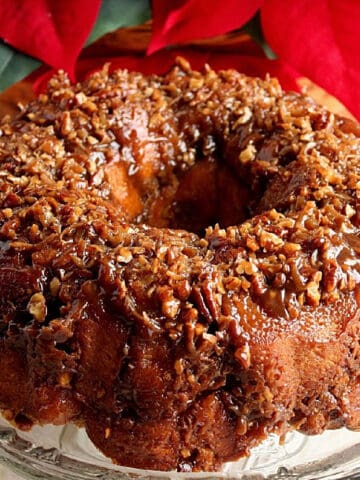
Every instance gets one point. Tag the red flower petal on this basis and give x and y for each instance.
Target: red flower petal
(52, 30)
(179, 21)
(320, 40)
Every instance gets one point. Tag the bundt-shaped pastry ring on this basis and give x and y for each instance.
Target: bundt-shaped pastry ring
(176, 344)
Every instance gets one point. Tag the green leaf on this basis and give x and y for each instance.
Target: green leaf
(14, 66)
(119, 13)
(254, 29)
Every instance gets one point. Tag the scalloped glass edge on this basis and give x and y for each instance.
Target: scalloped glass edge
(66, 453)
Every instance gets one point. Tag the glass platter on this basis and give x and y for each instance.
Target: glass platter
(65, 453)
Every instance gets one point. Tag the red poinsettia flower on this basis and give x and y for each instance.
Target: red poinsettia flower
(181, 21)
(319, 39)
(316, 39)
(52, 31)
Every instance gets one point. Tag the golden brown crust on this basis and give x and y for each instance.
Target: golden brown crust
(178, 349)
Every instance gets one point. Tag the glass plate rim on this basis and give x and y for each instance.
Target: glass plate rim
(26, 458)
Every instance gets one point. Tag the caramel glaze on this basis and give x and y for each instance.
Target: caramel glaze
(179, 346)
